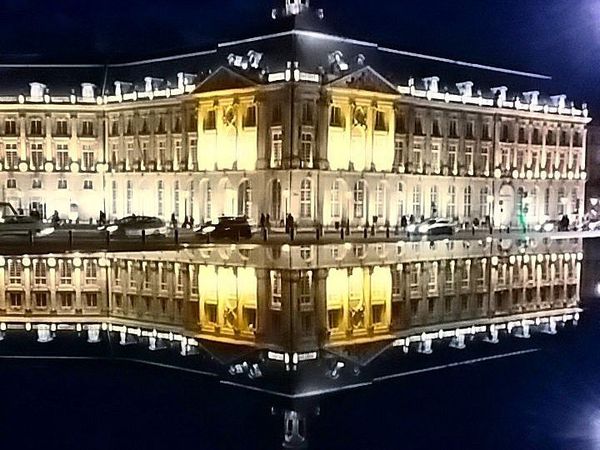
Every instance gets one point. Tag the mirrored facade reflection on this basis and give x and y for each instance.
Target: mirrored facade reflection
(293, 322)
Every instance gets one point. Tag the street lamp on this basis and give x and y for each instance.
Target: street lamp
(594, 201)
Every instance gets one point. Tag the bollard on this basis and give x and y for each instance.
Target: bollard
(365, 233)
(373, 230)
(342, 233)
(144, 237)
(292, 233)
(318, 234)
(176, 236)
(265, 234)
(387, 232)
(396, 230)
(70, 238)
(107, 237)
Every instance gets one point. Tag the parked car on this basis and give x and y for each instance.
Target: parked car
(13, 223)
(433, 227)
(227, 228)
(591, 225)
(135, 226)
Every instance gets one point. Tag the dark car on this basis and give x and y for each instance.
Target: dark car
(227, 228)
(135, 226)
(13, 223)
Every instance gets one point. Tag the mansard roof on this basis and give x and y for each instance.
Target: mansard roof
(303, 39)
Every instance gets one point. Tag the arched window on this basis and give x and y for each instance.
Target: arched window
(336, 203)
(306, 198)
(380, 201)
(359, 199)
(417, 197)
(245, 199)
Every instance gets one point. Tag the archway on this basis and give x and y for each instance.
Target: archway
(506, 205)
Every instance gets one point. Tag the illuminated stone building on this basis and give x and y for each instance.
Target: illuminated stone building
(297, 120)
(300, 299)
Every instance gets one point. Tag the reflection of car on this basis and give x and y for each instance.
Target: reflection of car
(433, 227)
(591, 225)
(551, 225)
(13, 223)
(136, 226)
(227, 227)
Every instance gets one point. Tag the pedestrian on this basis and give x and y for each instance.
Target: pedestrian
(412, 219)
(403, 222)
(55, 218)
(192, 222)
(173, 221)
(263, 221)
(102, 218)
(186, 223)
(287, 224)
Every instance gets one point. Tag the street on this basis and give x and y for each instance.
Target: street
(65, 240)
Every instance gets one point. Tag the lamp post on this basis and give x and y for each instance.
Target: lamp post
(490, 200)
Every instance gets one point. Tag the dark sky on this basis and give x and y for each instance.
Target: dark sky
(557, 37)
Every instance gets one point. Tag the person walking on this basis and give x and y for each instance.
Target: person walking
(173, 221)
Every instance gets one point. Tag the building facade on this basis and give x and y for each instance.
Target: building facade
(339, 131)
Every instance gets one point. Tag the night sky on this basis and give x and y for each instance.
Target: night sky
(557, 37)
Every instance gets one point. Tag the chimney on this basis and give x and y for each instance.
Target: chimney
(465, 88)
(432, 84)
(121, 88)
(185, 79)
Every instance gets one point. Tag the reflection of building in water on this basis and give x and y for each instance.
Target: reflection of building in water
(300, 298)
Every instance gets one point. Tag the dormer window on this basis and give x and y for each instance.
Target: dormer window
(37, 91)
(88, 90)
(465, 89)
(185, 79)
(432, 84)
(177, 126)
(152, 84)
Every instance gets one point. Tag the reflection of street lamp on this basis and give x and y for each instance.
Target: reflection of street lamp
(594, 201)
(349, 202)
(490, 200)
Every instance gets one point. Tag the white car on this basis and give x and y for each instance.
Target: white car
(433, 227)
(13, 223)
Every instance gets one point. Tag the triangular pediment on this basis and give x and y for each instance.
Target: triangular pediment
(365, 79)
(224, 79)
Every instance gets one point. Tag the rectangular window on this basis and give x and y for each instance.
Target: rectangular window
(400, 123)
(470, 130)
(62, 127)
(307, 114)
(306, 199)
(468, 198)
(88, 159)
(276, 114)
(176, 194)
(87, 128)
(485, 160)
(306, 149)
(40, 299)
(505, 162)
(15, 272)
(35, 127)
(36, 183)
(160, 194)
(419, 126)
(380, 201)
(37, 156)
(434, 200)
(336, 209)
(129, 197)
(435, 158)
(88, 185)
(469, 159)
(399, 151)
(276, 148)
(62, 157)
(276, 290)
(11, 160)
(380, 121)
(114, 198)
(417, 201)
(453, 128)
(10, 126)
(336, 118)
(451, 206)
(91, 299)
(485, 132)
(210, 120)
(452, 160)
(436, 129)
(39, 273)
(65, 299)
(91, 272)
(417, 159)
(250, 117)
(11, 183)
(65, 271)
